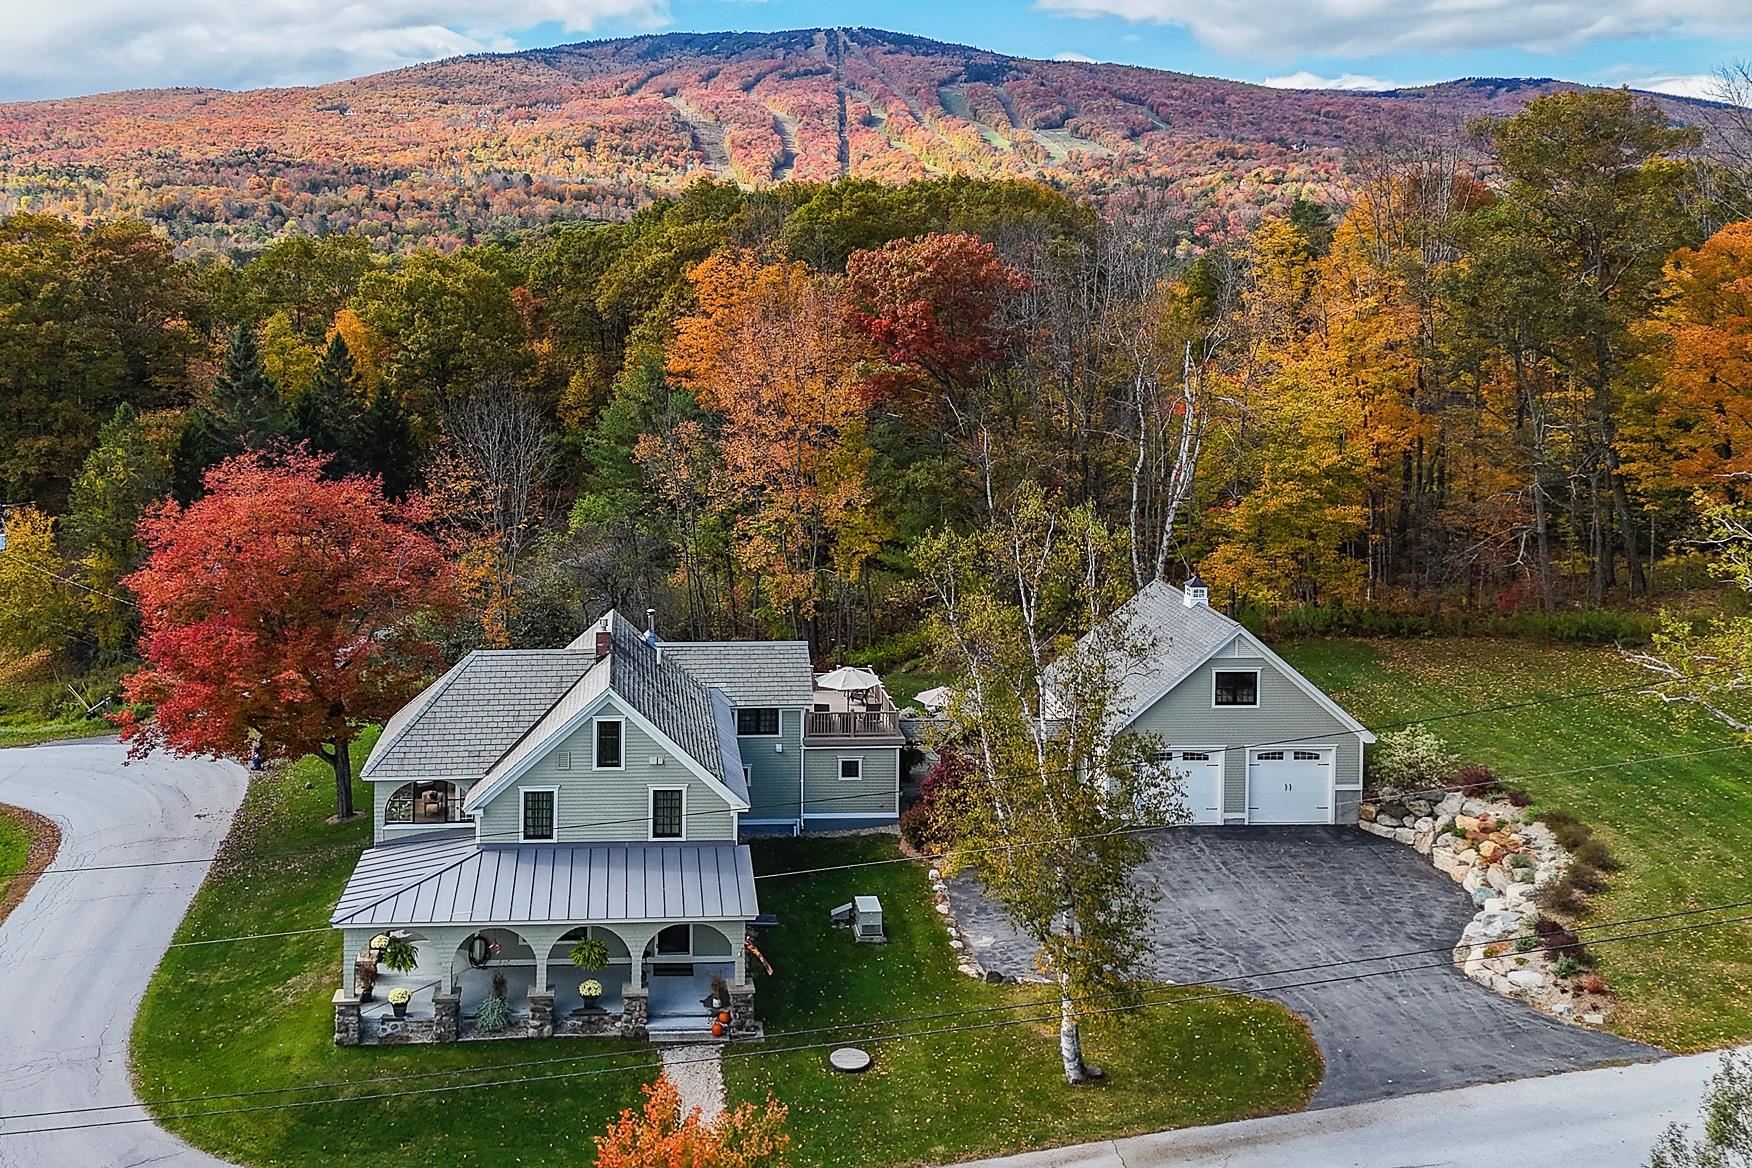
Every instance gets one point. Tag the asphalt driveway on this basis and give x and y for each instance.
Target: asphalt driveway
(1238, 901)
(75, 956)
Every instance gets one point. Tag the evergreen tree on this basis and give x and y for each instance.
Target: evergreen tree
(125, 473)
(387, 447)
(328, 414)
(242, 411)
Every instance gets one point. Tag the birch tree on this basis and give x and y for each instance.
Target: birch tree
(1051, 819)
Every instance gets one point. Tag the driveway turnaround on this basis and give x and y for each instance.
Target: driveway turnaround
(1601, 1119)
(76, 955)
(1239, 902)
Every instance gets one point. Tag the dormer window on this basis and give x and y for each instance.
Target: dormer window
(757, 722)
(610, 743)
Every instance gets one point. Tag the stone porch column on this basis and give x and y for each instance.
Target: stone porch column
(541, 1013)
(446, 1016)
(742, 1020)
(634, 1013)
(346, 1019)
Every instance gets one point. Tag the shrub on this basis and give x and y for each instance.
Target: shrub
(1562, 942)
(1562, 896)
(1584, 877)
(400, 955)
(1569, 831)
(1593, 983)
(590, 953)
(918, 828)
(1596, 854)
(493, 1014)
(1520, 861)
(499, 988)
(1526, 943)
(1517, 796)
(922, 824)
(1567, 966)
(1411, 759)
(1545, 926)
(1475, 779)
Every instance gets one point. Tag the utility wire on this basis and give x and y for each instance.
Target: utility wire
(1174, 1001)
(889, 1021)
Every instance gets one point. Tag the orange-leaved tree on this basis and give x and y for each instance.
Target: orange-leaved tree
(660, 1136)
(282, 611)
(769, 353)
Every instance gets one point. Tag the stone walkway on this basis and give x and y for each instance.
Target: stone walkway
(697, 1070)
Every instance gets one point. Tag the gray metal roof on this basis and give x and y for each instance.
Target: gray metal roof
(462, 723)
(448, 879)
(751, 673)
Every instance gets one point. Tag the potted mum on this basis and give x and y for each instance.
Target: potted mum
(398, 1000)
(590, 990)
(378, 944)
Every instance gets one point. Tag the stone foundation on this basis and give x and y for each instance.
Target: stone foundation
(1501, 861)
(346, 1019)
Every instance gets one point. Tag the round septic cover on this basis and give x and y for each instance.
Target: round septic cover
(850, 1059)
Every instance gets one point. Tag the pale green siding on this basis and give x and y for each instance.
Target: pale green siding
(607, 805)
(826, 795)
(1185, 717)
(774, 774)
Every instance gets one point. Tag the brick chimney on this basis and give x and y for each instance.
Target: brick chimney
(604, 641)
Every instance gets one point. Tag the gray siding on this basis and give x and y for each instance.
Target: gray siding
(1184, 717)
(826, 795)
(608, 806)
(773, 775)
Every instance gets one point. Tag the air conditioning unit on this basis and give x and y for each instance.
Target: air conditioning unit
(864, 916)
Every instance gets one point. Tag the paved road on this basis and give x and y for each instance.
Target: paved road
(1601, 1119)
(1250, 900)
(76, 955)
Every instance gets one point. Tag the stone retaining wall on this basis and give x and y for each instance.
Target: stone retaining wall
(1502, 861)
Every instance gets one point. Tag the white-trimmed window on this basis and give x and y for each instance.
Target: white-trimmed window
(668, 813)
(851, 769)
(540, 810)
(611, 744)
(1235, 687)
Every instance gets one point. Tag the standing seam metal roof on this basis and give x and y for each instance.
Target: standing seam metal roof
(455, 881)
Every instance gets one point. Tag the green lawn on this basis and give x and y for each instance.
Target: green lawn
(1682, 827)
(28, 730)
(15, 841)
(256, 1015)
(951, 1096)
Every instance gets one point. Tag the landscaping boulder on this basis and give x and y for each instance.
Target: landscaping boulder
(1526, 979)
(1466, 823)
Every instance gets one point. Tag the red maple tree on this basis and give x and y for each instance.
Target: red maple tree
(660, 1136)
(280, 610)
(935, 308)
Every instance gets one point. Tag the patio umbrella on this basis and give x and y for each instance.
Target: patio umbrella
(936, 698)
(849, 678)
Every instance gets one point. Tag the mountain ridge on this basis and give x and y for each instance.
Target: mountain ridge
(441, 151)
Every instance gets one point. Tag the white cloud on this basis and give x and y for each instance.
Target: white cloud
(1704, 85)
(85, 46)
(1306, 80)
(1078, 57)
(1271, 29)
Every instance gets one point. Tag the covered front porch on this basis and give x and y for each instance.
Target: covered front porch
(655, 972)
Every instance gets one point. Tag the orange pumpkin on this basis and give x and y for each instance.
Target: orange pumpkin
(717, 1030)
(724, 1016)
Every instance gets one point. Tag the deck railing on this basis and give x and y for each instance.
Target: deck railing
(853, 724)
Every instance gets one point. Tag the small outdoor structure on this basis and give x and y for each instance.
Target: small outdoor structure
(864, 917)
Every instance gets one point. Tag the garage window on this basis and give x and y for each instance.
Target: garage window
(1195, 756)
(1236, 687)
(1307, 755)
(1270, 756)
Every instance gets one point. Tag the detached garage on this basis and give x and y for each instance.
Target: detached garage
(1253, 741)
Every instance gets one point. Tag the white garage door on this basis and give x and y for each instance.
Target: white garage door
(1201, 776)
(1290, 785)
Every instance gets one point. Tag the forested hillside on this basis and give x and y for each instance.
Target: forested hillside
(1500, 386)
(447, 152)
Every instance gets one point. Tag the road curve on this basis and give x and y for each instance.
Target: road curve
(75, 957)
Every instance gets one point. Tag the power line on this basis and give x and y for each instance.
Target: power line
(896, 1020)
(1173, 1001)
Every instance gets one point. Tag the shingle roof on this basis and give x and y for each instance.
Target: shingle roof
(675, 701)
(1185, 637)
(751, 673)
(454, 881)
(462, 723)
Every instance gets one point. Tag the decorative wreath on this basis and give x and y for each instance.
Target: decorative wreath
(480, 950)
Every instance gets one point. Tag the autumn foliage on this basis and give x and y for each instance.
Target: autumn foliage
(660, 1136)
(284, 605)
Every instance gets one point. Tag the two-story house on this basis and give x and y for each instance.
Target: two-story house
(532, 798)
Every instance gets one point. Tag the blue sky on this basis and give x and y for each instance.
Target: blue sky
(83, 46)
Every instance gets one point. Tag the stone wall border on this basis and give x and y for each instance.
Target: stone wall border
(1502, 860)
